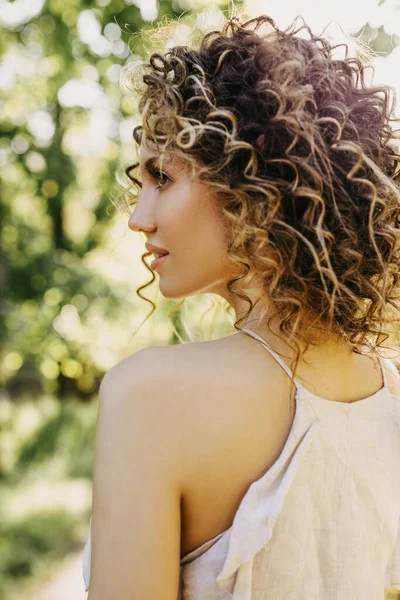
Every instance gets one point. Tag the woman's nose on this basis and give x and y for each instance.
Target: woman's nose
(141, 220)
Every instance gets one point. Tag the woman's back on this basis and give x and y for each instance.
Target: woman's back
(308, 497)
(322, 519)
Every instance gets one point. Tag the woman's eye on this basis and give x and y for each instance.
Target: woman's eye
(154, 173)
(161, 178)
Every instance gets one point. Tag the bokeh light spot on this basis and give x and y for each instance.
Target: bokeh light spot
(50, 188)
(13, 361)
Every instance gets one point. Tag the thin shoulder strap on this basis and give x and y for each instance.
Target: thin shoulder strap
(387, 365)
(274, 354)
(384, 366)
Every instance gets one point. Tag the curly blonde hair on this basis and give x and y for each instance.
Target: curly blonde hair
(304, 165)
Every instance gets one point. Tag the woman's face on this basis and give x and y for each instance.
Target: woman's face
(179, 214)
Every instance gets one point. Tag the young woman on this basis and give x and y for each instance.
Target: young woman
(263, 465)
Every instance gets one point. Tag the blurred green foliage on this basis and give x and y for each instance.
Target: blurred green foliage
(30, 543)
(64, 120)
(47, 450)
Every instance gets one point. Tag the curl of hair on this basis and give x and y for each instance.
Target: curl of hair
(305, 168)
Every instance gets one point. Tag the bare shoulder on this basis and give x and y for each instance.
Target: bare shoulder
(171, 372)
(203, 372)
(195, 392)
(153, 377)
(212, 387)
(199, 354)
(214, 411)
(199, 379)
(177, 381)
(202, 392)
(182, 363)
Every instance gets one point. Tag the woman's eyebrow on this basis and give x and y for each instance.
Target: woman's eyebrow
(152, 163)
(149, 164)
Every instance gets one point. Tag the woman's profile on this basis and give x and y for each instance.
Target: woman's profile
(262, 465)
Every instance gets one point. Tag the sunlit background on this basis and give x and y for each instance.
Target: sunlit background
(69, 265)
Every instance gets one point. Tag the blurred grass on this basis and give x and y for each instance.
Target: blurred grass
(46, 450)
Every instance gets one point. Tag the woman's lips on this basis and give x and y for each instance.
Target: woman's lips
(158, 261)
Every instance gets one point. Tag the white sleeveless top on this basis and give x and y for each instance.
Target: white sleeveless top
(323, 523)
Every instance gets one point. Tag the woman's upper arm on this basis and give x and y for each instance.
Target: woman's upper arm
(136, 522)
